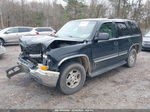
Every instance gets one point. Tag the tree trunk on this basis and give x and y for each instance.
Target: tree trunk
(118, 8)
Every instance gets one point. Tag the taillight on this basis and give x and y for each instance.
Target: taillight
(37, 33)
(53, 33)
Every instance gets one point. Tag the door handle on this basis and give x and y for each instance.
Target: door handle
(116, 43)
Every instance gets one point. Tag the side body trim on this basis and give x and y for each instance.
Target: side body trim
(103, 58)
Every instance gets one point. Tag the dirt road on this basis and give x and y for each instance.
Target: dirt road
(120, 88)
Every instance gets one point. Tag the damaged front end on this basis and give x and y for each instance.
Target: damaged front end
(23, 66)
(34, 61)
(43, 76)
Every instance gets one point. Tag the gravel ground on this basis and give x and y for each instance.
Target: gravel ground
(121, 88)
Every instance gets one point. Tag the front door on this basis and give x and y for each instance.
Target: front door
(11, 35)
(105, 52)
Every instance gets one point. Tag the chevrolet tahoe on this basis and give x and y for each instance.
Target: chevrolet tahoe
(81, 48)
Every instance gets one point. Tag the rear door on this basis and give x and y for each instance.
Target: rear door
(124, 36)
(11, 35)
(105, 52)
(23, 32)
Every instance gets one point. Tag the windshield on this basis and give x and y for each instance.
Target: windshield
(77, 29)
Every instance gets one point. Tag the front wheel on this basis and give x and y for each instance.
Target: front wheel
(132, 56)
(72, 78)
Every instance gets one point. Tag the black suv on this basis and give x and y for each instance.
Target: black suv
(81, 48)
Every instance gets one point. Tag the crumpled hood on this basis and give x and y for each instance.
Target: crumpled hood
(44, 40)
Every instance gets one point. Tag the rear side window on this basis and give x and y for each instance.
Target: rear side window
(12, 30)
(108, 28)
(122, 29)
(25, 29)
(43, 29)
(134, 27)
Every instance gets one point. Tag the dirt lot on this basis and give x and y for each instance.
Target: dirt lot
(119, 88)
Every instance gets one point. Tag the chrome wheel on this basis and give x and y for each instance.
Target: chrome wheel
(132, 57)
(73, 78)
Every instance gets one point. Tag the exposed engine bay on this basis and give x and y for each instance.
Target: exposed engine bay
(33, 48)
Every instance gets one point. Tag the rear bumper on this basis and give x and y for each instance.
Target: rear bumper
(45, 77)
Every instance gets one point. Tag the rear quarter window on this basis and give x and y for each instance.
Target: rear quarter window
(134, 28)
(122, 29)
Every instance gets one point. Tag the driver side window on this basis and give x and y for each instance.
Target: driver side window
(12, 30)
(107, 28)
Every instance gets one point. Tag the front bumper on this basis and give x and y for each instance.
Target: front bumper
(48, 78)
(45, 77)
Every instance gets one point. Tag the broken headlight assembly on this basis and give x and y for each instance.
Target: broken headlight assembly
(46, 60)
(45, 56)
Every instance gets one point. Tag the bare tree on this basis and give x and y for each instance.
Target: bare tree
(46, 13)
(118, 8)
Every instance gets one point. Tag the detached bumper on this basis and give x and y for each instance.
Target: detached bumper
(45, 77)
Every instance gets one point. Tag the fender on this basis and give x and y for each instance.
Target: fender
(76, 56)
(134, 45)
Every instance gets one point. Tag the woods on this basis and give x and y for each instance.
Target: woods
(48, 13)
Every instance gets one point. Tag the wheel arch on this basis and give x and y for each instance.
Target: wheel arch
(81, 58)
(136, 46)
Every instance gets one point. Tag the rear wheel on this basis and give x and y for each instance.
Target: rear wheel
(2, 42)
(72, 78)
(132, 58)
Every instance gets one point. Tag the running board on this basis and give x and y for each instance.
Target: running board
(106, 69)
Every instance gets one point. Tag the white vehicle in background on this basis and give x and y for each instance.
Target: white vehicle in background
(42, 31)
(11, 35)
(146, 42)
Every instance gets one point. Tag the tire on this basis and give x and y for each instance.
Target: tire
(132, 56)
(2, 42)
(72, 78)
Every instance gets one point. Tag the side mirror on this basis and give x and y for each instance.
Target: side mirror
(102, 36)
(6, 32)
